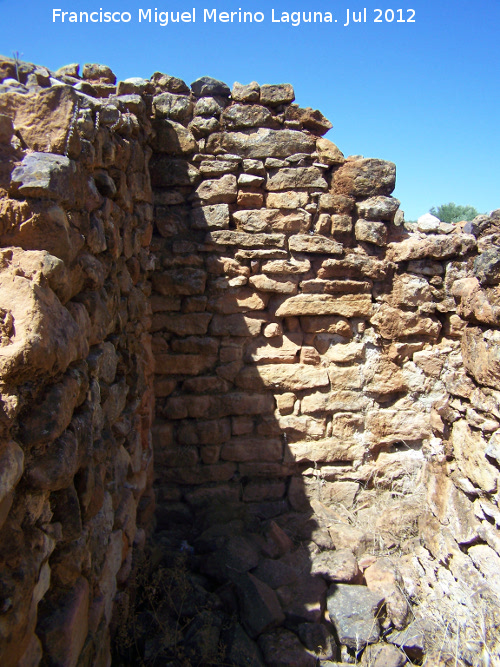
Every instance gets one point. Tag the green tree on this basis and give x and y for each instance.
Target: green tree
(453, 213)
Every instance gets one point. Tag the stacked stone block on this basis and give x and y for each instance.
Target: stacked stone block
(76, 456)
(271, 246)
(314, 354)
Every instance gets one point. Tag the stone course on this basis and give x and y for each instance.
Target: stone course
(323, 379)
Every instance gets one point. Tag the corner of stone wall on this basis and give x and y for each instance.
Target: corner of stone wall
(206, 259)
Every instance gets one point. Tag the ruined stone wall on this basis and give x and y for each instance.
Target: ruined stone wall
(313, 352)
(272, 252)
(76, 367)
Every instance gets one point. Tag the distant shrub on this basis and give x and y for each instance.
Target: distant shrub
(453, 213)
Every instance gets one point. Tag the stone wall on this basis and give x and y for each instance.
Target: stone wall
(312, 351)
(76, 367)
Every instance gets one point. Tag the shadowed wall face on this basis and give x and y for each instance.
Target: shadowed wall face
(273, 311)
(311, 350)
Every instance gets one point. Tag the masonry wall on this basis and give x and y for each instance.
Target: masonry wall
(76, 368)
(310, 348)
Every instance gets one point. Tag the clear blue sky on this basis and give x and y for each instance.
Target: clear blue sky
(425, 95)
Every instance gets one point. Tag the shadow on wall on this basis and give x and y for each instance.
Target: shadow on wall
(307, 369)
(255, 384)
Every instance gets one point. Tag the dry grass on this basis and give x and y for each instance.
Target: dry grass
(167, 606)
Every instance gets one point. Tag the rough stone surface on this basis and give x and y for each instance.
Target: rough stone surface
(319, 304)
(282, 648)
(365, 177)
(274, 95)
(340, 565)
(382, 577)
(206, 85)
(259, 605)
(261, 144)
(353, 610)
(383, 655)
(215, 262)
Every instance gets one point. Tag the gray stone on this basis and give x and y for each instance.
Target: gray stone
(228, 563)
(354, 266)
(269, 219)
(235, 325)
(11, 469)
(72, 69)
(213, 168)
(215, 216)
(275, 573)
(314, 244)
(183, 280)
(353, 610)
(176, 107)
(171, 220)
(371, 232)
(167, 172)
(13, 86)
(85, 88)
(487, 267)
(378, 208)
(45, 176)
(170, 84)
(64, 625)
(131, 103)
(285, 266)
(250, 181)
(246, 93)
(341, 224)
(383, 655)
(173, 138)
(303, 600)
(310, 119)
(210, 106)
(273, 163)
(201, 127)
(318, 639)
(205, 86)
(493, 448)
(259, 606)
(241, 239)
(201, 639)
(471, 227)
(55, 469)
(217, 191)
(411, 640)
(274, 95)
(134, 86)
(97, 72)
(254, 167)
(262, 143)
(437, 246)
(241, 116)
(241, 651)
(104, 183)
(298, 177)
(283, 649)
(109, 115)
